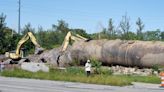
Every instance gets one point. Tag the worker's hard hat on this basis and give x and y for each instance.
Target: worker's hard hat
(88, 60)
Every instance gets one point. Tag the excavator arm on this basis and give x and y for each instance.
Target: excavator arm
(69, 36)
(26, 37)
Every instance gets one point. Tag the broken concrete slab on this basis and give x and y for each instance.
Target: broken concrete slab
(34, 67)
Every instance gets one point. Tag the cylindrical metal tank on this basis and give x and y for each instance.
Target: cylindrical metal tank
(127, 53)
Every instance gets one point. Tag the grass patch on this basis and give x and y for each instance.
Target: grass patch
(75, 74)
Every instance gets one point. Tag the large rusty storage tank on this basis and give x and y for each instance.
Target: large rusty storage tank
(127, 53)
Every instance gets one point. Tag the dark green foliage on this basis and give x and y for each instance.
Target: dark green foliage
(11, 39)
(80, 32)
(28, 28)
(152, 35)
(54, 37)
(28, 46)
(140, 27)
(97, 65)
(111, 29)
(125, 27)
(132, 36)
(156, 68)
(2, 32)
(8, 37)
(62, 26)
(162, 36)
(48, 39)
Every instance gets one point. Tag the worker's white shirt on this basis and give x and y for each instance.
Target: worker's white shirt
(87, 67)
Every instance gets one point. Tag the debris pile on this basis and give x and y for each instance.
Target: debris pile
(119, 70)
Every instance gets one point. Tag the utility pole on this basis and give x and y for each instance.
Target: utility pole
(19, 13)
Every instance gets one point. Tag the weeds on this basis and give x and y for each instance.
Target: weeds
(76, 74)
(156, 68)
(97, 65)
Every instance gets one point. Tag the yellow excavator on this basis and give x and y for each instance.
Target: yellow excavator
(15, 57)
(68, 37)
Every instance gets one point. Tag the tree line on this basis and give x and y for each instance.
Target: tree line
(54, 36)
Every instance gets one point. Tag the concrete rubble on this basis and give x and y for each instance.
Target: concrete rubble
(34, 67)
(2, 58)
(119, 70)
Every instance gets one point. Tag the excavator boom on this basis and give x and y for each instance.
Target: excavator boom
(66, 42)
(70, 36)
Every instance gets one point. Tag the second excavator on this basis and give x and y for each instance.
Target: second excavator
(17, 56)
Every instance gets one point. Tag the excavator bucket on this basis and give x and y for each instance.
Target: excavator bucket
(89, 39)
(38, 50)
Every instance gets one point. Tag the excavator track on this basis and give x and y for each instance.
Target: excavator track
(19, 61)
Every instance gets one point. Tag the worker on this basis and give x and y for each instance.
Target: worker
(88, 67)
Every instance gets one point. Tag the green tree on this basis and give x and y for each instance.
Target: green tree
(40, 35)
(8, 37)
(140, 27)
(28, 28)
(62, 26)
(125, 26)
(104, 34)
(2, 27)
(162, 35)
(152, 35)
(61, 29)
(111, 29)
(28, 46)
(132, 36)
(54, 39)
(80, 32)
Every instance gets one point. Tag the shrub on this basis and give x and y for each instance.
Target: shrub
(97, 65)
(106, 71)
(155, 67)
